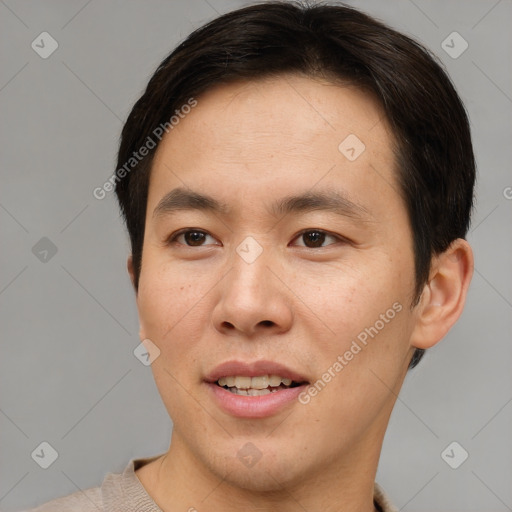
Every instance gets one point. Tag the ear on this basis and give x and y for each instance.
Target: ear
(444, 296)
(131, 271)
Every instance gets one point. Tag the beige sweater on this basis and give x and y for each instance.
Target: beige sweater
(124, 493)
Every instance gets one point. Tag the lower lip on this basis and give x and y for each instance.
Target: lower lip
(254, 406)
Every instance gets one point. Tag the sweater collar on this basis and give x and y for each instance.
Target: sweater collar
(136, 498)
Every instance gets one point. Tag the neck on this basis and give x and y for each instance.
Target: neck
(179, 481)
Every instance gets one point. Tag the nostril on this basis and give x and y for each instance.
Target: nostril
(267, 323)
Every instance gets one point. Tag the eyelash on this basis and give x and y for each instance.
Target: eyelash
(173, 238)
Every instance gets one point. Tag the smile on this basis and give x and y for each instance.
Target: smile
(256, 389)
(255, 386)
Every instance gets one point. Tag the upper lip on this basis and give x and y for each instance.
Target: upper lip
(253, 369)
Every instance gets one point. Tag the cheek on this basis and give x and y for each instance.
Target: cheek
(171, 312)
(351, 299)
(168, 298)
(175, 307)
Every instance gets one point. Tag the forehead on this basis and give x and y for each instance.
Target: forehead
(304, 107)
(281, 134)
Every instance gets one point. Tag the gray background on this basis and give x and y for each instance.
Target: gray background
(69, 325)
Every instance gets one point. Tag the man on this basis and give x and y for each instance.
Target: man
(297, 183)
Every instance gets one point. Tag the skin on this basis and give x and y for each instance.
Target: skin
(247, 145)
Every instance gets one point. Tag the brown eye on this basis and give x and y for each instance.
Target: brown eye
(194, 238)
(190, 238)
(315, 238)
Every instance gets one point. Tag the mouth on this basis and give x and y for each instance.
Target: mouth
(254, 390)
(256, 386)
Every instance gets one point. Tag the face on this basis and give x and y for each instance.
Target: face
(280, 300)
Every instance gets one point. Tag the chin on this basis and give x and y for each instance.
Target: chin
(268, 470)
(264, 477)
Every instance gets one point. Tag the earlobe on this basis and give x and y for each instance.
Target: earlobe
(131, 271)
(444, 295)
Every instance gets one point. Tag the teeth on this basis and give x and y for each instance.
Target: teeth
(243, 382)
(253, 392)
(258, 392)
(274, 381)
(259, 383)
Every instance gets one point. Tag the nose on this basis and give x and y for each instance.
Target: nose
(252, 300)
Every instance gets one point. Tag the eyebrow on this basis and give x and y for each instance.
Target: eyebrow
(328, 200)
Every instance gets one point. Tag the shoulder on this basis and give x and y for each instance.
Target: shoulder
(119, 491)
(89, 500)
